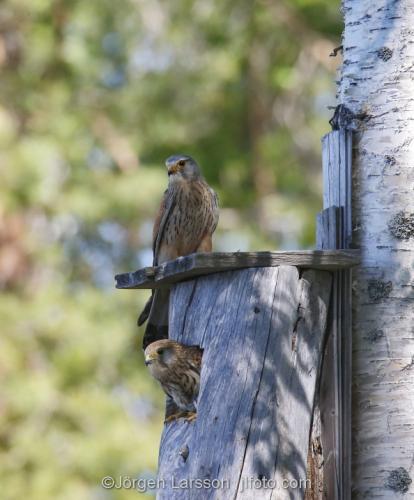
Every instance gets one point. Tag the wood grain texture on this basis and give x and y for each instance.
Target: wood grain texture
(200, 264)
(334, 230)
(262, 331)
(337, 178)
(327, 223)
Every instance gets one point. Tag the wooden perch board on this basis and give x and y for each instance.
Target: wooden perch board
(199, 264)
(262, 331)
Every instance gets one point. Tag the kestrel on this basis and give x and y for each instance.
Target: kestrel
(185, 223)
(177, 368)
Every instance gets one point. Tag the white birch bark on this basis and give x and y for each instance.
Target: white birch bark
(378, 81)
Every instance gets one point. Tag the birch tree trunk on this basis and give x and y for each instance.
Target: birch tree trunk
(377, 94)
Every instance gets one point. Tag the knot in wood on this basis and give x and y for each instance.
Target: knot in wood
(184, 452)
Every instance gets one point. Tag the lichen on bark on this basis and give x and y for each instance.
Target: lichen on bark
(398, 480)
(401, 226)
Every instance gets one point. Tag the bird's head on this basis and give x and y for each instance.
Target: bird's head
(161, 354)
(182, 167)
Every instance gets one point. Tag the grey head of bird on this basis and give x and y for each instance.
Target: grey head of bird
(182, 167)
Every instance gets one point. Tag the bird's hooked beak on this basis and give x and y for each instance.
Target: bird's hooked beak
(173, 169)
(149, 359)
(175, 164)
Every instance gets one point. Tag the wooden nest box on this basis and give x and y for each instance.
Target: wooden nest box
(274, 390)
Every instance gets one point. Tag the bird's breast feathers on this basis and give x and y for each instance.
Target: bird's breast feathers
(194, 215)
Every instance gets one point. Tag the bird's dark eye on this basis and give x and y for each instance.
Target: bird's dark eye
(181, 163)
(160, 351)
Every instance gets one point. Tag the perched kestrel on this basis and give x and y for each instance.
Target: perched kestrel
(185, 223)
(177, 368)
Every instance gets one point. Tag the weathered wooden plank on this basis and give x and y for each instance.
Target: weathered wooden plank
(200, 264)
(329, 431)
(337, 177)
(295, 392)
(327, 223)
(345, 349)
(334, 230)
(328, 399)
(262, 331)
(315, 466)
(335, 394)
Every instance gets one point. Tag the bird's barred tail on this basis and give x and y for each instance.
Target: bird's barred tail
(142, 318)
(157, 326)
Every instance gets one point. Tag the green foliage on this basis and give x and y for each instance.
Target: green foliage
(95, 95)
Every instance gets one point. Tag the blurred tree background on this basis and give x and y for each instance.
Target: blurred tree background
(95, 95)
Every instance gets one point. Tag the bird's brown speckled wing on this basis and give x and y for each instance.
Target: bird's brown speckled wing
(215, 210)
(166, 207)
(159, 224)
(194, 355)
(158, 218)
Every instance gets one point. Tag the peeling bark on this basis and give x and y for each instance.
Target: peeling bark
(377, 82)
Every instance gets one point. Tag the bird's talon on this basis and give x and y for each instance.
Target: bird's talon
(191, 417)
(173, 417)
(186, 415)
